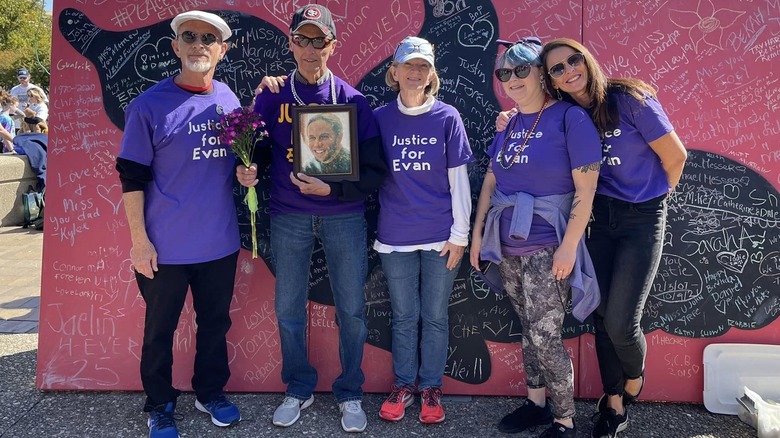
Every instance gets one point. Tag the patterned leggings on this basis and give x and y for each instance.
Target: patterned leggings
(540, 302)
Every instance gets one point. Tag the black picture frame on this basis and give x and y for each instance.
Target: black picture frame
(341, 164)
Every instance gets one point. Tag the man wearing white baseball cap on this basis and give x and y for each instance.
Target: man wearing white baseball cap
(215, 20)
(171, 174)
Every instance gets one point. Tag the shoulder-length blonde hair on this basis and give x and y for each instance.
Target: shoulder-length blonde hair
(37, 93)
(599, 85)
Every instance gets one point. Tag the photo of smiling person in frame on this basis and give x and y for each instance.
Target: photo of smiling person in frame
(323, 135)
(323, 147)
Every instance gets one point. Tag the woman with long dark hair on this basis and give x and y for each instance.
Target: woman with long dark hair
(642, 160)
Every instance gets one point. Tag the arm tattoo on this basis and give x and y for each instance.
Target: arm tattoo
(592, 166)
(574, 205)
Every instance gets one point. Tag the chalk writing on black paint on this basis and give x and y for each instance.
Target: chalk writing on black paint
(713, 273)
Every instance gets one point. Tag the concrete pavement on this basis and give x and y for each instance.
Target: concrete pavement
(27, 412)
(20, 279)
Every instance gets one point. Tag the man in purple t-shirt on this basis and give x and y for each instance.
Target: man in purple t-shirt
(177, 181)
(304, 208)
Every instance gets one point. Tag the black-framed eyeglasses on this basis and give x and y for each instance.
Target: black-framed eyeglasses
(316, 42)
(574, 60)
(207, 39)
(521, 71)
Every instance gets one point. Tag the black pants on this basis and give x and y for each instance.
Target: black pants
(626, 244)
(212, 292)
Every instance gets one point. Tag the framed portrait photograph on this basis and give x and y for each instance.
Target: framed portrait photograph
(325, 141)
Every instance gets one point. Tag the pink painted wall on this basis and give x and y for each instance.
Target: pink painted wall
(714, 64)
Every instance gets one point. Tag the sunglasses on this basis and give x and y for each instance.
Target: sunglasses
(190, 37)
(407, 49)
(316, 42)
(574, 60)
(521, 71)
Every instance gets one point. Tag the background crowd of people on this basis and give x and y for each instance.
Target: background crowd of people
(24, 126)
(24, 109)
(27, 95)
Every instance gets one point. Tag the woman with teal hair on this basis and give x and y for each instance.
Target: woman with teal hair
(533, 208)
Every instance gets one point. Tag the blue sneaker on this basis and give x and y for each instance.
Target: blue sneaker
(223, 412)
(162, 422)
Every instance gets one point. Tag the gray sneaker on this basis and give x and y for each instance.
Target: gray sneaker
(290, 410)
(353, 419)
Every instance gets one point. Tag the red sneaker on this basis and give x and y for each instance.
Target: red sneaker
(394, 408)
(431, 411)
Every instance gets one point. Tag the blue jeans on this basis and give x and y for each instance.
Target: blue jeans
(344, 241)
(626, 244)
(420, 286)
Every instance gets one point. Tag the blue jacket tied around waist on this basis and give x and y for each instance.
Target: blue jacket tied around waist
(554, 209)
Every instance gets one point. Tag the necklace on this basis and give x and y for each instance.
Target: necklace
(501, 159)
(298, 99)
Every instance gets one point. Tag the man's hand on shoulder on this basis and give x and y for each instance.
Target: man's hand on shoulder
(272, 83)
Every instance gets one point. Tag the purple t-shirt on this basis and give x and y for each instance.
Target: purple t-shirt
(564, 140)
(630, 169)
(188, 207)
(415, 202)
(275, 108)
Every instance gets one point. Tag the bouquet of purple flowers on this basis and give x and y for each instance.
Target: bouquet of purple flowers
(241, 129)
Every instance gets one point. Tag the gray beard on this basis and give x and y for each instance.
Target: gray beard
(198, 66)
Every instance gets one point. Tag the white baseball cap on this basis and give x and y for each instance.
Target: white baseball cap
(206, 17)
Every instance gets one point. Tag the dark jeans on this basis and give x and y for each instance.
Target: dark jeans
(343, 238)
(625, 243)
(212, 292)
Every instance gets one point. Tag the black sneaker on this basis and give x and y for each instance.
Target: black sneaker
(609, 423)
(558, 430)
(527, 415)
